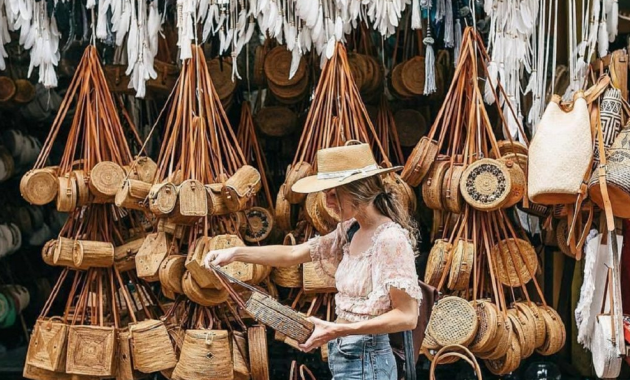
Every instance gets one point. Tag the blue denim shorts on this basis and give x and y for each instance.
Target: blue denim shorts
(362, 357)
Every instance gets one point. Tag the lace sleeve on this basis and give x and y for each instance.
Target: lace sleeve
(394, 265)
(327, 251)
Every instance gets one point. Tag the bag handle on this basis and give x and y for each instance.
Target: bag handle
(453, 351)
(303, 369)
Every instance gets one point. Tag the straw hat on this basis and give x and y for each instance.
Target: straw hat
(339, 166)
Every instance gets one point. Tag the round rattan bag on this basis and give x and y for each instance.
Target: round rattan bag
(517, 175)
(432, 184)
(259, 224)
(502, 338)
(437, 262)
(515, 261)
(525, 332)
(556, 333)
(530, 310)
(451, 195)
(509, 362)
(461, 265)
(486, 184)
(453, 321)
(488, 326)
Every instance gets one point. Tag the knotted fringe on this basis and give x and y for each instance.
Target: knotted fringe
(429, 68)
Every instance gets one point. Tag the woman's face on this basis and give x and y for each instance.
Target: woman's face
(334, 199)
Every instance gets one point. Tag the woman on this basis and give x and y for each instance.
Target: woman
(375, 273)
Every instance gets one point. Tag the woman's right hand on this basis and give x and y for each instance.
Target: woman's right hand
(220, 257)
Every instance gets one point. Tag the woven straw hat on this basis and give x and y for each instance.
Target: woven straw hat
(339, 166)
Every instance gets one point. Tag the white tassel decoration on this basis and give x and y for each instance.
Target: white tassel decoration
(429, 66)
(612, 21)
(449, 39)
(416, 20)
(602, 39)
(458, 42)
(491, 82)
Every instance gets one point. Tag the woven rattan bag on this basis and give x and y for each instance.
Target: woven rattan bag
(194, 264)
(486, 184)
(39, 186)
(106, 178)
(151, 254)
(133, 194)
(91, 350)
(162, 198)
(92, 254)
(258, 356)
(240, 356)
(47, 349)
(151, 346)
(432, 184)
(124, 365)
(205, 355)
(288, 277)
(560, 154)
(295, 173)
(453, 321)
(259, 223)
(241, 187)
(125, 255)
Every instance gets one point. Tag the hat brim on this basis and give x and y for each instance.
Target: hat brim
(312, 184)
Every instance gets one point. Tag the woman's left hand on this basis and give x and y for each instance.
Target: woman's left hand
(323, 333)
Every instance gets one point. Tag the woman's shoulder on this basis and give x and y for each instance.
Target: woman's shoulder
(391, 232)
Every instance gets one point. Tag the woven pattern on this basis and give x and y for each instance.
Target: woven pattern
(517, 177)
(258, 356)
(556, 333)
(205, 355)
(259, 224)
(39, 186)
(486, 184)
(91, 350)
(451, 196)
(163, 198)
(437, 261)
(453, 321)
(610, 117)
(461, 266)
(300, 170)
(279, 317)
(524, 333)
(150, 256)
(240, 356)
(106, 178)
(193, 199)
(67, 194)
(515, 261)
(488, 326)
(509, 362)
(47, 348)
(432, 185)
(533, 314)
(151, 346)
(419, 162)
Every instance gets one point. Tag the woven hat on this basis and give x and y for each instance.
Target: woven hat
(339, 166)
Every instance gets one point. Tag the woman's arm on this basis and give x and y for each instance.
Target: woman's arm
(402, 317)
(271, 255)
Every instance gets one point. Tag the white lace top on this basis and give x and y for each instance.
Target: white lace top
(363, 280)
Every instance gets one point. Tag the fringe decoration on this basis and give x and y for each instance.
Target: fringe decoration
(458, 42)
(429, 64)
(602, 38)
(491, 82)
(416, 20)
(448, 25)
(612, 22)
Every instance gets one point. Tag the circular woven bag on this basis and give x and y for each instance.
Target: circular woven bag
(259, 224)
(432, 184)
(524, 332)
(420, 160)
(278, 66)
(171, 273)
(48, 252)
(402, 191)
(488, 326)
(396, 82)
(83, 191)
(509, 147)
(451, 195)
(509, 362)
(410, 126)
(486, 184)
(556, 333)
(163, 198)
(533, 314)
(288, 277)
(295, 173)
(106, 178)
(461, 265)
(276, 121)
(453, 321)
(437, 261)
(413, 75)
(502, 339)
(515, 260)
(204, 297)
(67, 195)
(517, 177)
(39, 186)
(221, 73)
(562, 234)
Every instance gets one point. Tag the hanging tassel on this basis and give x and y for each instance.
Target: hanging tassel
(440, 10)
(429, 62)
(448, 25)
(491, 82)
(458, 42)
(416, 21)
(602, 39)
(612, 21)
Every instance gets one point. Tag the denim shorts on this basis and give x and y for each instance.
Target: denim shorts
(362, 357)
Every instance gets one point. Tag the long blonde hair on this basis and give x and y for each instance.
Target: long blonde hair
(374, 190)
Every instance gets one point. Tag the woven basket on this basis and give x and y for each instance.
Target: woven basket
(39, 186)
(171, 273)
(259, 224)
(420, 161)
(48, 252)
(515, 260)
(106, 178)
(453, 321)
(295, 173)
(258, 356)
(283, 211)
(47, 347)
(452, 199)
(92, 254)
(533, 314)
(401, 191)
(241, 187)
(461, 265)
(288, 277)
(410, 126)
(315, 282)
(318, 214)
(151, 254)
(438, 260)
(125, 255)
(151, 346)
(270, 312)
(124, 363)
(67, 195)
(240, 356)
(239, 270)
(204, 297)
(192, 203)
(91, 351)
(556, 333)
(413, 75)
(502, 339)
(488, 326)
(144, 169)
(525, 331)
(396, 82)
(84, 196)
(432, 184)
(177, 231)
(133, 194)
(486, 184)
(518, 179)
(276, 121)
(510, 360)
(278, 66)
(64, 252)
(206, 355)
(194, 264)
(35, 373)
(162, 198)
(216, 201)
